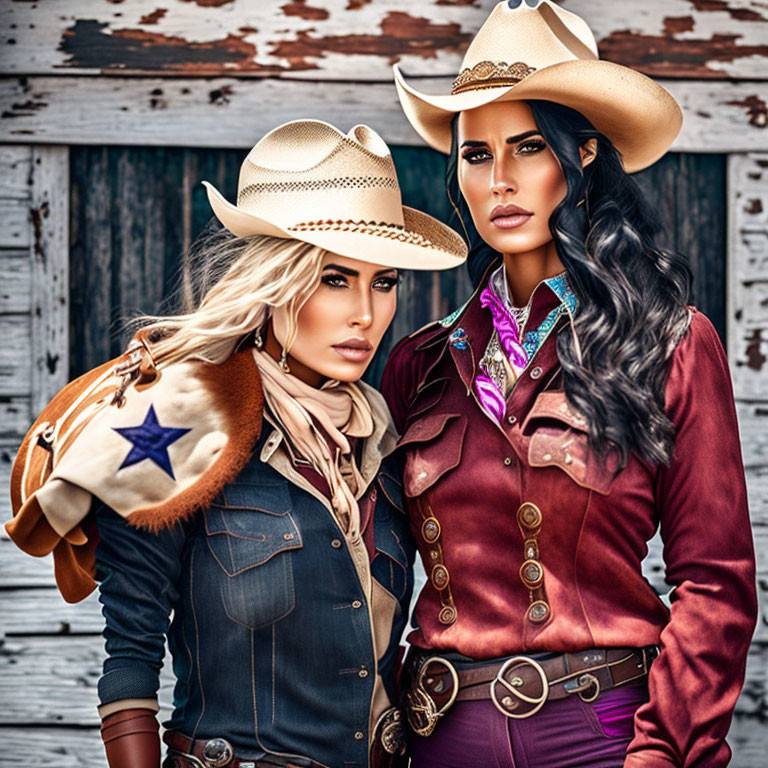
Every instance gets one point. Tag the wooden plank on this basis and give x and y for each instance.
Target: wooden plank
(15, 279)
(44, 612)
(747, 739)
(59, 677)
(757, 489)
(53, 747)
(15, 418)
(754, 696)
(50, 273)
(15, 166)
(7, 455)
(19, 570)
(226, 112)
(748, 274)
(328, 39)
(15, 365)
(753, 423)
(15, 230)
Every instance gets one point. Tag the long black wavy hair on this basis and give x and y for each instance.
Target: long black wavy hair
(631, 295)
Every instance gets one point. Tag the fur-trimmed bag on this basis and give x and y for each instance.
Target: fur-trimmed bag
(154, 444)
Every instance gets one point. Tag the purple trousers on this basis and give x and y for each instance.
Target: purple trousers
(567, 733)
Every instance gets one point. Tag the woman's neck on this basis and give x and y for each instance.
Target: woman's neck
(525, 271)
(299, 370)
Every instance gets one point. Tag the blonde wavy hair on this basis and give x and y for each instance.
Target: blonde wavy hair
(229, 290)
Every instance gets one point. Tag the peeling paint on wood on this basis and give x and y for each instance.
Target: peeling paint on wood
(303, 11)
(670, 38)
(88, 46)
(154, 17)
(400, 34)
(748, 275)
(49, 329)
(188, 112)
(756, 110)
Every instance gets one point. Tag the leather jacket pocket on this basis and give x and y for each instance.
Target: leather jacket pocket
(432, 446)
(427, 397)
(252, 546)
(558, 438)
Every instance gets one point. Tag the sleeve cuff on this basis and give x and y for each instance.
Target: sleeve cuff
(136, 681)
(649, 758)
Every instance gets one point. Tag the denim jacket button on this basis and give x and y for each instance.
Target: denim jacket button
(359, 735)
(363, 672)
(336, 543)
(357, 604)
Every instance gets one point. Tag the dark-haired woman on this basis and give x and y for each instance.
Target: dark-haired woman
(549, 427)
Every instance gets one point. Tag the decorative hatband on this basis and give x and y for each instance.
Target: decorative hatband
(312, 185)
(490, 74)
(379, 229)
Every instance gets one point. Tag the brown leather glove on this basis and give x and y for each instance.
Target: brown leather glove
(131, 739)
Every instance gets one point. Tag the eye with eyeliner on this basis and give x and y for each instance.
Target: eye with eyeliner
(531, 147)
(474, 156)
(337, 281)
(385, 284)
(478, 155)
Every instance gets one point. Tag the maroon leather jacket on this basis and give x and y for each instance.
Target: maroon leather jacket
(475, 490)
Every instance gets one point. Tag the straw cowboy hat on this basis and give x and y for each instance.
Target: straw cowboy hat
(307, 181)
(536, 50)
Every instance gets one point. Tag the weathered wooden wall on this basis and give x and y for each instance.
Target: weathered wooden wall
(264, 60)
(182, 75)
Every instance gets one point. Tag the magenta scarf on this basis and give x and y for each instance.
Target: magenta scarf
(490, 396)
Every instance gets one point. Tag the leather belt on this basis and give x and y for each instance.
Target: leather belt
(520, 685)
(184, 752)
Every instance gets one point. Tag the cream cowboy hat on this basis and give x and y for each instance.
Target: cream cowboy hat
(536, 50)
(307, 181)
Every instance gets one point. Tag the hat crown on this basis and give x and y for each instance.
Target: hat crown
(308, 171)
(534, 34)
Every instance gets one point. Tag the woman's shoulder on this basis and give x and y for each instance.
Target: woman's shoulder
(698, 367)
(697, 338)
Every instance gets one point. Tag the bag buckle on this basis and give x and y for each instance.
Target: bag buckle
(512, 696)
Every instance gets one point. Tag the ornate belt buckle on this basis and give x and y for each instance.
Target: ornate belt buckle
(423, 712)
(390, 732)
(513, 696)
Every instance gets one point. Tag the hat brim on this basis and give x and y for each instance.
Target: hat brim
(423, 242)
(641, 118)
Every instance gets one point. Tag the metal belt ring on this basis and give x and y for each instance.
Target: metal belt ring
(537, 701)
(593, 683)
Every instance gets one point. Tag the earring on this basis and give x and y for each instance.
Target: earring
(258, 342)
(284, 361)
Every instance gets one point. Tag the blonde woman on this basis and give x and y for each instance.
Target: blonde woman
(242, 509)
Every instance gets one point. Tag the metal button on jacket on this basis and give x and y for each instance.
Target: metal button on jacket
(536, 372)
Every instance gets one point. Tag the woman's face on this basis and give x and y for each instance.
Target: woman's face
(342, 323)
(508, 175)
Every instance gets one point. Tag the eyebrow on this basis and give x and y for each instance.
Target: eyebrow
(354, 273)
(510, 140)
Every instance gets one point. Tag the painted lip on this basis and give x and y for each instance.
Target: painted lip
(509, 216)
(355, 350)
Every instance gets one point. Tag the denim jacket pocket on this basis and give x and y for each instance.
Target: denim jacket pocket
(391, 565)
(558, 438)
(253, 548)
(433, 446)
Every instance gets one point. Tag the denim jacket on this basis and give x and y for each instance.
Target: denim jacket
(264, 612)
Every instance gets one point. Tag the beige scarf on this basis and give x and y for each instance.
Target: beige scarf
(316, 419)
